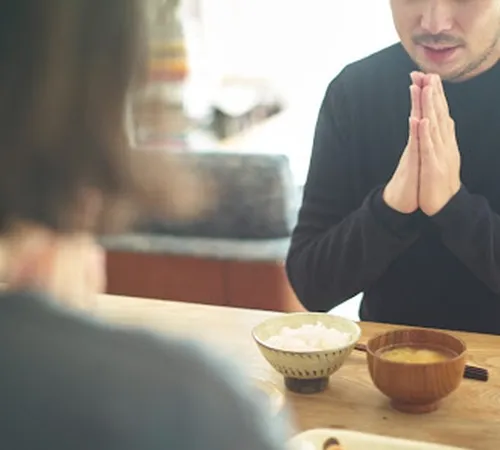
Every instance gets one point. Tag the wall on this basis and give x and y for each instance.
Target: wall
(294, 42)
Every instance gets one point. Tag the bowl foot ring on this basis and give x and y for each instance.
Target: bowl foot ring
(414, 408)
(311, 386)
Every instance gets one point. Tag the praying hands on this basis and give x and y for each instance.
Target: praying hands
(428, 174)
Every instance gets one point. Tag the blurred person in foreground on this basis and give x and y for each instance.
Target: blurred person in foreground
(402, 200)
(68, 381)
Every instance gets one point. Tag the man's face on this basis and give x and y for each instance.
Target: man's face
(456, 39)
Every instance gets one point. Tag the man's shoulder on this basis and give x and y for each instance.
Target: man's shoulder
(384, 59)
(389, 65)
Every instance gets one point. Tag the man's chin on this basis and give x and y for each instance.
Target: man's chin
(447, 73)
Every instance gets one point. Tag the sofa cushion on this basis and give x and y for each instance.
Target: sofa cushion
(256, 198)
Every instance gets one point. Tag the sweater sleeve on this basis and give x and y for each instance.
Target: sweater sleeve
(471, 230)
(345, 238)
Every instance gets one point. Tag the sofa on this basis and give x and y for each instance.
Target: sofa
(233, 255)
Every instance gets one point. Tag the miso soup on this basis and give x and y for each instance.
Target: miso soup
(416, 354)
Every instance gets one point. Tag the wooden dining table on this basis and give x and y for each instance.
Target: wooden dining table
(469, 418)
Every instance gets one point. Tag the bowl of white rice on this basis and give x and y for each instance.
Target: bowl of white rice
(306, 348)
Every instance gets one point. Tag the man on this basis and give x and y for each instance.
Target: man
(407, 210)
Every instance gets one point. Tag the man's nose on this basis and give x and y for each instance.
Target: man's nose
(437, 16)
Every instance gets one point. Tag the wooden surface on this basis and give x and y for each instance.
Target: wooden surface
(470, 418)
(246, 284)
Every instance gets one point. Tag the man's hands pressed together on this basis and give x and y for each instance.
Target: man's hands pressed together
(439, 155)
(428, 174)
(401, 193)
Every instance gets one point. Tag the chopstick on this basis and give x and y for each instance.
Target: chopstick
(470, 372)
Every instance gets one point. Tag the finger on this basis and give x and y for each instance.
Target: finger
(438, 102)
(412, 144)
(448, 129)
(426, 144)
(416, 103)
(412, 151)
(417, 78)
(429, 112)
(413, 134)
(442, 96)
(439, 129)
(426, 80)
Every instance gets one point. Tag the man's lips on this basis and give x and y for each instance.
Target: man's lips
(439, 54)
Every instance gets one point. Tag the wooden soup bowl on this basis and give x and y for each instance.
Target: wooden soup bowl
(416, 388)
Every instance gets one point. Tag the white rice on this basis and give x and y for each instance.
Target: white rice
(309, 338)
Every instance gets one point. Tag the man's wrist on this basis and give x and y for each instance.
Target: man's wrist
(454, 210)
(392, 202)
(395, 221)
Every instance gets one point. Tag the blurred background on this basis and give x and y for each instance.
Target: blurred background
(235, 87)
(234, 63)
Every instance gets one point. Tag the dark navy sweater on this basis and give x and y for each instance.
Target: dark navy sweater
(442, 271)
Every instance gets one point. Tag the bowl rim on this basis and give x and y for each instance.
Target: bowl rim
(407, 364)
(354, 336)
